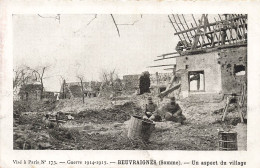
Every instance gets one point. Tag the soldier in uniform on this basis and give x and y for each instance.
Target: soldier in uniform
(172, 112)
(151, 111)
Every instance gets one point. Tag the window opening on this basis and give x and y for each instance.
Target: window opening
(196, 81)
(239, 70)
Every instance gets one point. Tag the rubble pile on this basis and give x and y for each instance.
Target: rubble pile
(119, 113)
(100, 124)
(34, 105)
(131, 83)
(75, 105)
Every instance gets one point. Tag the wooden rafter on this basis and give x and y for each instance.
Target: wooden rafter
(211, 24)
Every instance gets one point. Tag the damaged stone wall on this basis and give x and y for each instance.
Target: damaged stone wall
(160, 79)
(49, 95)
(232, 61)
(159, 82)
(225, 70)
(30, 92)
(130, 83)
(75, 88)
(206, 62)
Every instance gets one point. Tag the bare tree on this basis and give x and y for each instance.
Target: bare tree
(81, 78)
(21, 76)
(62, 84)
(39, 75)
(107, 77)
(110, 79)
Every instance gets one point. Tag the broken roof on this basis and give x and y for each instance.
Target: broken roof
(207, 34)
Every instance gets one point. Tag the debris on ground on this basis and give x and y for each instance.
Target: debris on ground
(99, 125)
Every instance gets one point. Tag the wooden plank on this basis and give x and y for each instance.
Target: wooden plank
(203, 35)
(206, 25)
(163, 58)
(225, 110)
(214, 42)
(196, 32)
(244, 20)
(225, 29)
(175, 29)
(194, 21)
(189, 28)
(215, 34)
(222, 31)
(160, 65)
(183, 28)
(166, 92)
(168, 69)
(196, 39)
(163, 55)
(239, 26)
(215, 29)
(230, 31)
(179, 28)
(237, 30)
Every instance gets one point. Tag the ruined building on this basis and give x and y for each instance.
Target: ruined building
(211, 56)
(30, 92)
(74, 89)
(158, 82)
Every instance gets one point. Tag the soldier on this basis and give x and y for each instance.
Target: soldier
(173, 112)
(151, 111)
(144, 83)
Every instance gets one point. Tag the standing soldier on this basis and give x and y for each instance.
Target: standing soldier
(144, 83)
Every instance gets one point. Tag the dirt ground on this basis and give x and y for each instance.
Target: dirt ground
(102, 124)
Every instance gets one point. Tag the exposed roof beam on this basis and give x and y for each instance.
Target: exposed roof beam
(167, 54)
(163, 58)
(168, 69)
(211, 24)
(160, 65)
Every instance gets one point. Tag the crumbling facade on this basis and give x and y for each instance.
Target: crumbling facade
(211, 57)
(30, 92)
(220, 71)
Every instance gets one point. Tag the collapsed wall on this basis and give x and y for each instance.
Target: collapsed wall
(219, 71)
(74, 89)
(30, 92)
(233, 63)
(131, 83)
(158, 82)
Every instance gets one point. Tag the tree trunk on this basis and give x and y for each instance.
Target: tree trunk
(82, 92)
(63, 89)
(41, 89)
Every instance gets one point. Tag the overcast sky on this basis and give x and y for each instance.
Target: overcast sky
(80, 44)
